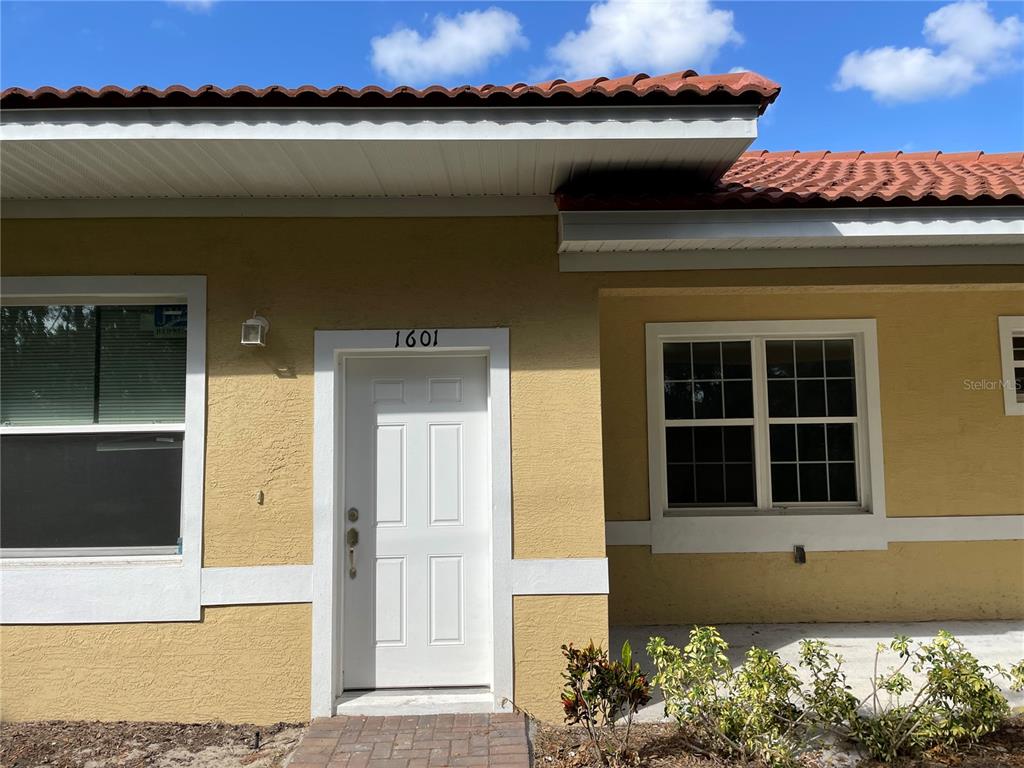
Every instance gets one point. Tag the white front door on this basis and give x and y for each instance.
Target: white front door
(416, 468)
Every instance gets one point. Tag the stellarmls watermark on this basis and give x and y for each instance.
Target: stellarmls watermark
(987, 385)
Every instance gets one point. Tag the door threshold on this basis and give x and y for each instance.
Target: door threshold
(416, 701)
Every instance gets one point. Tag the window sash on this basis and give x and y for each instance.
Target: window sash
(121, 291)
(761, 423)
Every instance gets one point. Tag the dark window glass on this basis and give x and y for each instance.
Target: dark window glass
(779, 359)
(782, 442)
(838, 357)
(840, 442)
(678, 400)
(810, 360)
(736, 359)
(679, 444)
(841, 398)
(711, 466)
(707, 360)
(95, 490)
(1018, 347)
(810, 397)
(782, 398)
(680, 485)
(707, 399)
(739, 400)
(842, 480)
(677, 362)
(813, 482)
(810, 441)
(784, 485)
(1018, 383)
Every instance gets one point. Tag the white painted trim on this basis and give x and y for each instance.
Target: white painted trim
(963, 528)
(330, 350)
(663, 232)
(420, 124)
(257, 584)
(770, 530)
(563, 576)
(1010, 325)
(370, 207)
(123, 589)
(627, 533)
(90, 429)
(822, 254)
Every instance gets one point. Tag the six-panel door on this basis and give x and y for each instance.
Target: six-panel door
(416, 611)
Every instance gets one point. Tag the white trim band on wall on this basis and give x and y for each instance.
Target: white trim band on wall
(257, 585)
(637, 533)
(563, 576)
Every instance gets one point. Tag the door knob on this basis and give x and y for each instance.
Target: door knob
(352, 539)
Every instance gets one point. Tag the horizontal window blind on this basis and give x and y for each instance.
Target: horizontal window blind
(67, 365)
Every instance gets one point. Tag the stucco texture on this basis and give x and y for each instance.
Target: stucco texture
(243, 664)
(542, 623)
(948, 449)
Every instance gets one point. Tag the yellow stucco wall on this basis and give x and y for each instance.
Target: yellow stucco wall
(406, 273)
(542, 624)
(244, 664)
(948, 450)
(908, 582)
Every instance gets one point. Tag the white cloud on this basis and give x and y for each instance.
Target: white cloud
(968, 46)
(456, 47)
(656, 36)
(194, 6)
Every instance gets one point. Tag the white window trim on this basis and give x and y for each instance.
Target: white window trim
(121, 586)
(1009, 326)
(761, 530)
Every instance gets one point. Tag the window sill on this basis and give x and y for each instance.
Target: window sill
(12, 563)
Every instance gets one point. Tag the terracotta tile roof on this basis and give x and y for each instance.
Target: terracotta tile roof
(674, 88)
(828, 179)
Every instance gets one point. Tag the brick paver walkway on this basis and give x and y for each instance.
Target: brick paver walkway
(417, 741)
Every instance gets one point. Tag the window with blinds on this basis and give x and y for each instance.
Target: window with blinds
(92, 408)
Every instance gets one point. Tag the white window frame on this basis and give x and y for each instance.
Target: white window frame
(764, 528)
(118, 584)
(1009, 327)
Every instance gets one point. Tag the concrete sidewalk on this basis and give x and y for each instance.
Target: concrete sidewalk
(993, 642)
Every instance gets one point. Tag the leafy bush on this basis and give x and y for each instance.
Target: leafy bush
(763, 710)
(957, 703)
(599, 693)
(752, 712)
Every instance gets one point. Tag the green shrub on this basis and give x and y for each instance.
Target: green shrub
(752, 712)
(957, 702)
(599, 693)
(763, 710)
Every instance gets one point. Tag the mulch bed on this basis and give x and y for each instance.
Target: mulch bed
(66, 744)
(662, 745)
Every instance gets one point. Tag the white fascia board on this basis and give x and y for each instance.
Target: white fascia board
(590, 230)
(388, 124)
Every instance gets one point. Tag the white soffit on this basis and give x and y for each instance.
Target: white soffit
(168, 153)
(653, 240)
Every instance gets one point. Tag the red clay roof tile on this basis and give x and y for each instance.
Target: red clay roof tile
(684, 87)
(831, 179)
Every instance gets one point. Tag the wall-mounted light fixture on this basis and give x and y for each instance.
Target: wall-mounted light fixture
(254, 331)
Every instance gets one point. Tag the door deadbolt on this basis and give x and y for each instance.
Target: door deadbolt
(353, 514)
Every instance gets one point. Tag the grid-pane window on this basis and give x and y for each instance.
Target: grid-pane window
(1017, 353)
(709, 432)
(764, 422)
(92, 411)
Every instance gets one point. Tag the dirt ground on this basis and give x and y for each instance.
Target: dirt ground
(62, 744)
(661, 745)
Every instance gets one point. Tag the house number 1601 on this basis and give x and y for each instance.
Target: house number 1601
(416, 338)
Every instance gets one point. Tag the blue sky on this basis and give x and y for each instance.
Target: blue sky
(855, 75)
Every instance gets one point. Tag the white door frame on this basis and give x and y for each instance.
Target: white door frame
(330, 350)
